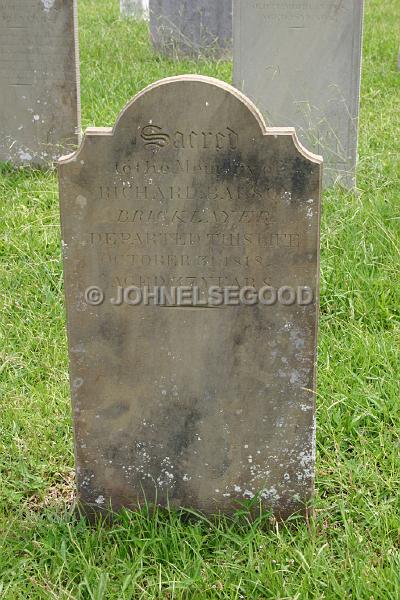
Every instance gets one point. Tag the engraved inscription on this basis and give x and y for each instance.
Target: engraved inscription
(300, 11)
(155, 137)
(205, 215)
(233, 166)
(224, 230)
(24, 48)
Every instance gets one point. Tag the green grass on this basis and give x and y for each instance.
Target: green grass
(350, 549)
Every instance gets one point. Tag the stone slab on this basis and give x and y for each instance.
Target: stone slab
(192, 28)
(137, 9)
(300, 63)
(192, 406)
(39, 80)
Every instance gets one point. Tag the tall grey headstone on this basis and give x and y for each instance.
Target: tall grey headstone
(138, 9)
(39, 80)
(192, 28)
(300, 63)
(196, 403)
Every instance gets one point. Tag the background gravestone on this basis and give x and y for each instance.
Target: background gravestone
(196, 407)
(39, 80)
(137, 9)
(300, 63)
(193, 28)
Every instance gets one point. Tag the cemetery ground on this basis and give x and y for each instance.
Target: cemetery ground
(349, 548)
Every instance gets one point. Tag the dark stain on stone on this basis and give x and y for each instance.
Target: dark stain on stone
(114, 332)
(185, 429)
(238, 339)
(301, 176)
(114, 412)
(224, 163)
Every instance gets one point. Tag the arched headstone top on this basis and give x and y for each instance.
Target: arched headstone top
(196, 106)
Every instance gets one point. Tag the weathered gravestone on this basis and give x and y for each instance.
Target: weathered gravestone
(138, 9)
(197, 405)
(300, 63)
(39, 80)
(192, 28)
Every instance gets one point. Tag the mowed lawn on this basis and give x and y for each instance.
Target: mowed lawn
(350, 548)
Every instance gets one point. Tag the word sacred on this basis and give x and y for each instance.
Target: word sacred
(155, 137)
